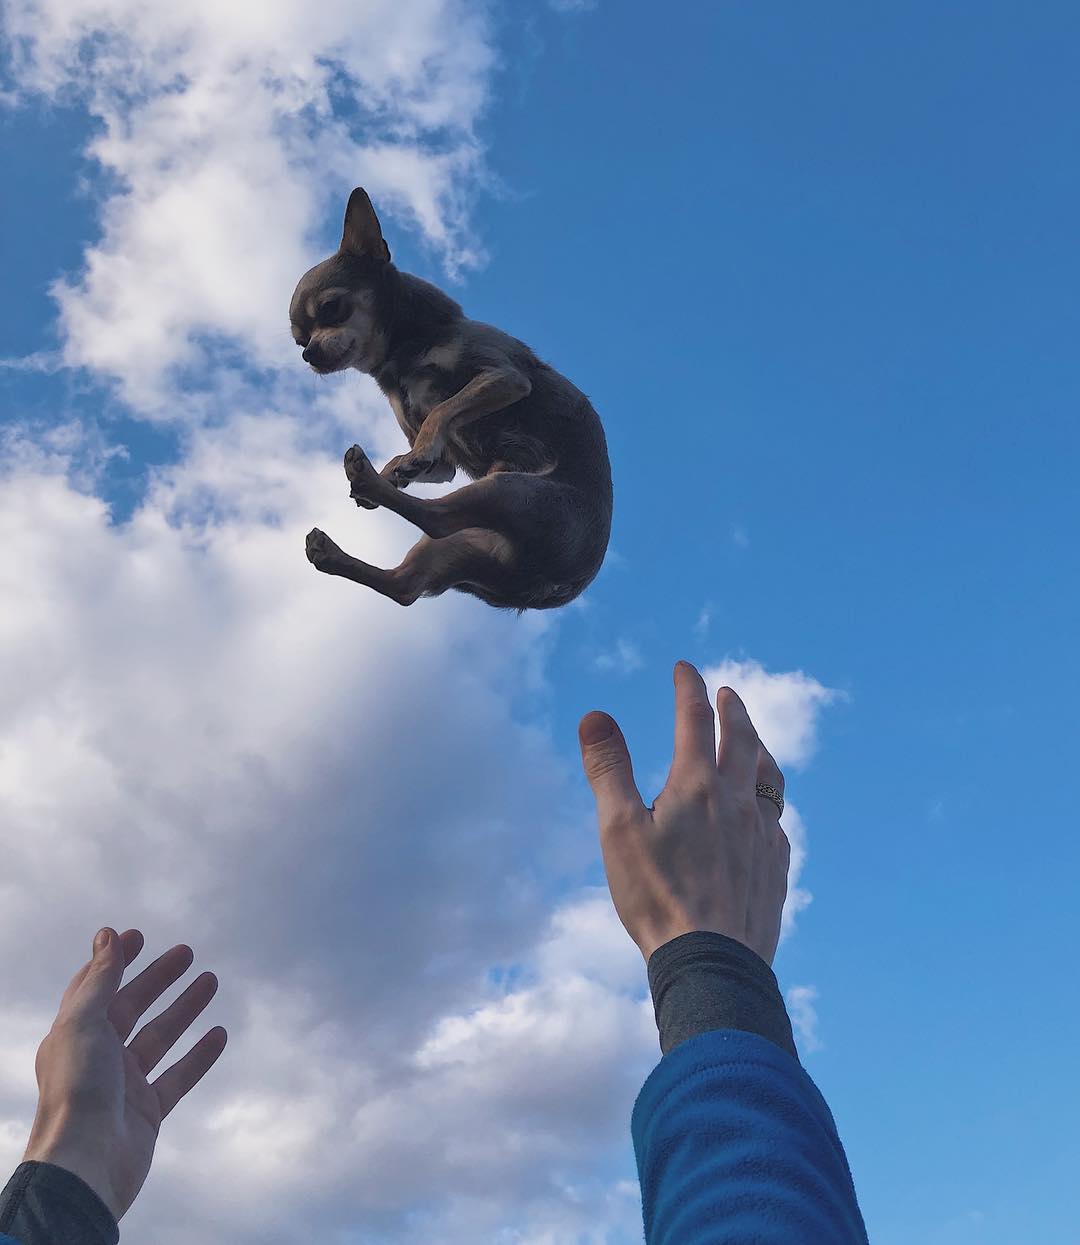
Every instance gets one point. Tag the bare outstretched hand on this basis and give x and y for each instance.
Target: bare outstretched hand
(98, 1114)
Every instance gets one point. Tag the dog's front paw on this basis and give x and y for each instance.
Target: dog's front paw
(362, 476)
(321, 551)
(409, 467)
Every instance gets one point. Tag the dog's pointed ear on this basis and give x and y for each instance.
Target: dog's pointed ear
(362, 234)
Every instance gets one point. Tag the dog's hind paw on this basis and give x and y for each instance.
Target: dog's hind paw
(356, 461)
(321, 551)
(362, 476)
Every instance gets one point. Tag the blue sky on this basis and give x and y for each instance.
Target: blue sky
(831, 263)
(817, 268)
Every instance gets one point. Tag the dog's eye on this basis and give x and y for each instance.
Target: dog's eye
(333, 311)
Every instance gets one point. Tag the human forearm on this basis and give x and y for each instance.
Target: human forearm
(733, 1140)
(735, 1143)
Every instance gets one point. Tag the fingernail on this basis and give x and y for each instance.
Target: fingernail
(101, 940)
(597, 728)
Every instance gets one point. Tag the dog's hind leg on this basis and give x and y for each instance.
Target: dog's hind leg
(469, 556)
(371, 488)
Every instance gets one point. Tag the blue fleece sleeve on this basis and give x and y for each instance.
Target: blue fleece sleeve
(736, 1146)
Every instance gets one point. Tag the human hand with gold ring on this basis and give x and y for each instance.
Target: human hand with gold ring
(710, 853)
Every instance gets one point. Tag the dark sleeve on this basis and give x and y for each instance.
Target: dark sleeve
(47, 1205)
(733, 1140)
(704, 981)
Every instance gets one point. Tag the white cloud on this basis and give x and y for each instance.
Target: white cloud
(798, 897)
(225, 131)
(345, 807)
(624, 658)
(342, 807)
(197, 736)
(41, 361)
(785, 707)
(587, 937)
(804, 1018)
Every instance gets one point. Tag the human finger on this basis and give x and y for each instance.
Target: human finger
(606, 761)
(769, 774)
(768, 889)
(131, 941)
(739, 741)
(157, 1037)
(695, 724)
(187, 1072)
(143, 991)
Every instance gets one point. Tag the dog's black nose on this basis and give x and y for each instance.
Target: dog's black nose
(306, 356)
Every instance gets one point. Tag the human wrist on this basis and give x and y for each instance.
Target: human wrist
(80, 1161)
(704, 980)
(648, 946)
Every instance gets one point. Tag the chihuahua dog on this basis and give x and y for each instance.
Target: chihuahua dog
(532, 530)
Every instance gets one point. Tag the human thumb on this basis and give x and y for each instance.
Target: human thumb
(606, 762)
(91, 990)
(106, 968)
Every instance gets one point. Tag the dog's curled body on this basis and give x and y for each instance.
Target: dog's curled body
(562, 527)
(532, 531)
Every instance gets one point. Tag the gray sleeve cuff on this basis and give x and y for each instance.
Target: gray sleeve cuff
(43, 1204)
(702, 981)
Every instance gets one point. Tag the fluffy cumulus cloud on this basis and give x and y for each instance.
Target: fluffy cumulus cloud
(345, 808)
(352, 812)
(785, 707)
(342, 807)
(226, 131)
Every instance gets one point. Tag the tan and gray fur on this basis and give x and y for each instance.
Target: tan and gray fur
(532, 530)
